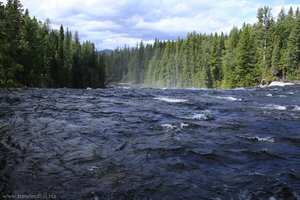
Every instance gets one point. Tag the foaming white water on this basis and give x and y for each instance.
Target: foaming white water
(280, 107)
(263, 139)
(281, 84)
(169, 126)
(240, 88)
(269, 95)
(296, 108)
(282, 96)
(276, 107)
(174, 127)
(125, 87)
(201, 116)
(196, 89)
(182, 125)
(170, 100)
(92, 168)
(229, 98)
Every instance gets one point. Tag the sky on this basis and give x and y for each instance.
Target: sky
(113, 23)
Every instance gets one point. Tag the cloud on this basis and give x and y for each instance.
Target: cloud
(111, 24)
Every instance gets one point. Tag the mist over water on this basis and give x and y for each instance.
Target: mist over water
(135, 143)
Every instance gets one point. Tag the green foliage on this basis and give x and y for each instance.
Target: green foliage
(293, 52)
(267, 50)
(276, 65)
(230, 63)
(247, 71)
(34, 55)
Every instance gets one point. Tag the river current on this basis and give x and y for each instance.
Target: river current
(139, 143)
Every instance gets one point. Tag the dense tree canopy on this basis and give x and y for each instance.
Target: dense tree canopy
(32, 54)
(268, 49)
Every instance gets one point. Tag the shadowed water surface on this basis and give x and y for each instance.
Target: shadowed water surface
(133, 143)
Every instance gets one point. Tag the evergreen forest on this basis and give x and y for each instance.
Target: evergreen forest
(33, 54)
(267, 50)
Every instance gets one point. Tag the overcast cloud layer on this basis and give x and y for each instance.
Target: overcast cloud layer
(113, 23)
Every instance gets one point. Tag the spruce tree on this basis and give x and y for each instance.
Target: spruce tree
(276, 56)
(247, 73)
(265, 22)
(2, 46)
(77, 71)
(12, 48)
(294, 50)
(281, 15)
(230, 59)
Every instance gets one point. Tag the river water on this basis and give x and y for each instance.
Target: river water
(138, 143)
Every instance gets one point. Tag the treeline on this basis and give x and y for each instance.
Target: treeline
(267, 50)
(34, 55)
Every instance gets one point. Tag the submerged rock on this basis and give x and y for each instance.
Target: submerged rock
(263, 83)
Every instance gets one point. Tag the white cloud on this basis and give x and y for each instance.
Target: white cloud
(57, 8)
(202, 16)
(277, 9)
(111, 23)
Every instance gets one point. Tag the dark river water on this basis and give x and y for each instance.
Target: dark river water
(133, 143)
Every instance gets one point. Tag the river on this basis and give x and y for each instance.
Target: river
(139, 143)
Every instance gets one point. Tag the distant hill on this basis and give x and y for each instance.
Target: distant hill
(107, 51)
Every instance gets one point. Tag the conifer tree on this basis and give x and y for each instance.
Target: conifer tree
(12, 48)
(2, 46)
(281, 15)
(247, 74)
(230, 59)
(265, 22)
(294, 50)
(275, 70)
(32, 54)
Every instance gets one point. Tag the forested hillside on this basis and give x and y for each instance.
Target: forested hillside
(268, 49)
(34, 55)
